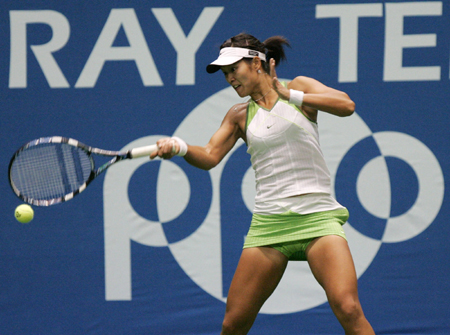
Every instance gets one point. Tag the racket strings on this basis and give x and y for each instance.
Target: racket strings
(50, 171)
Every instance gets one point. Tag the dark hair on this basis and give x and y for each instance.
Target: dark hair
(273, 47)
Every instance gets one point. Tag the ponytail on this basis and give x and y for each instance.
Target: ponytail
(275, 48)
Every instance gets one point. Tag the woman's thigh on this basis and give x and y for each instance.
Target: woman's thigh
(332, 265)
(257, 275)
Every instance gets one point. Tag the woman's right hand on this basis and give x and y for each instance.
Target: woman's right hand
(167, 148)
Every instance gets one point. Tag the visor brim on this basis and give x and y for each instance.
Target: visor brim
(221, 61)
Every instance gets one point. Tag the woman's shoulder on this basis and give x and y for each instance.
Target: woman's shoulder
(299, 80)
(301, 83)
(238, 109)
(237, 115)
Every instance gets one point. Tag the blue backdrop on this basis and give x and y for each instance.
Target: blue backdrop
(150, 247)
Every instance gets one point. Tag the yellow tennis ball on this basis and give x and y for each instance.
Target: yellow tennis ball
(24, 213)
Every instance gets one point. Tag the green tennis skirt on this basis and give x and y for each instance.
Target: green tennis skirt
(268, 230)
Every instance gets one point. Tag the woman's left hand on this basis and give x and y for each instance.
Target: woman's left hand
(282, 91)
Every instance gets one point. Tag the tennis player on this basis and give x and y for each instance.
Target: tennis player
(295, 217)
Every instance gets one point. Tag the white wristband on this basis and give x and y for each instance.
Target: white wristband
(182, 144)
(296, 97)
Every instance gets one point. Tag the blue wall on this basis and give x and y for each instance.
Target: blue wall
(151, 246)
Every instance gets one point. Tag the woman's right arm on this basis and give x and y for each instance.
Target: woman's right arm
(218, 146)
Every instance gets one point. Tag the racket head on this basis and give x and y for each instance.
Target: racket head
(50, 170)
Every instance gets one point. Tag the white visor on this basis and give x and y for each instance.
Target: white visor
(231, 55)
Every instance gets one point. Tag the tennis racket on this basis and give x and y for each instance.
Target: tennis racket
(51, 170)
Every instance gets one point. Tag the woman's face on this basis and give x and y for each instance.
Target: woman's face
(241, 76)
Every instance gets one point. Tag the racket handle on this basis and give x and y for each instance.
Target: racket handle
(143, 151)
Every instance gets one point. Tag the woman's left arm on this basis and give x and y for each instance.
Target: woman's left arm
(317, 96)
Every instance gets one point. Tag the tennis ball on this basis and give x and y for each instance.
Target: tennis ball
(24, 213)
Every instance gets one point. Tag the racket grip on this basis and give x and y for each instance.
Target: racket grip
(143, 151)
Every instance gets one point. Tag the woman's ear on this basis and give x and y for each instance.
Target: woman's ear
(257, 65)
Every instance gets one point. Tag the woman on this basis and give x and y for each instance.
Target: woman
(295, 217)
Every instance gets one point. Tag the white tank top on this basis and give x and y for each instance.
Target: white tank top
(285, 153)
